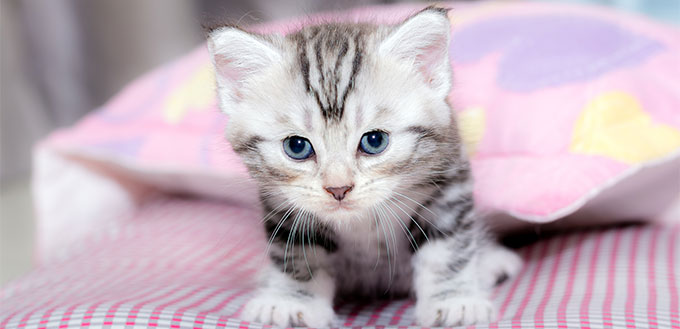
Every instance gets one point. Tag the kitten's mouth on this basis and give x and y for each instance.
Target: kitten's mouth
(340, 206)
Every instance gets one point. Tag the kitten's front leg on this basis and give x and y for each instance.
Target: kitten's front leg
(285, 301)
(296, 289)
(447, 285)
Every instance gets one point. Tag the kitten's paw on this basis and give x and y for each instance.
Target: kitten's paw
(289, 312)
(497, 264)
(455, 312)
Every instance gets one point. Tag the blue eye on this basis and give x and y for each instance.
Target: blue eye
(298, 148)
(374, 142)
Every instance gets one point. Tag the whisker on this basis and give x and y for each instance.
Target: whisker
(276, 230)
(404, 224)
(271, 213)
(387, 246)
(409, 236)
(377, 236)
(383, 215)
(291, 235)
(423, 217)
(394, 254)
(416, 202)
(410, 208)
(312, 221)
(420, 205)
(426, 196)
(304, 252)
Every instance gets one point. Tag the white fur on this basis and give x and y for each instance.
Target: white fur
(74, 199)
(496, 261)
(280, 304)
(468, 305)
(455, 311)
(238, 55)
(422, 42)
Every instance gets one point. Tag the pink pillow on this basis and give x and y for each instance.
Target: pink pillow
(564, 109)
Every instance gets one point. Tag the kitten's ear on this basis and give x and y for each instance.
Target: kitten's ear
(237, 55)
(423, 41)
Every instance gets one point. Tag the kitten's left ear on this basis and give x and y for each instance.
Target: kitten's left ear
(423, 41)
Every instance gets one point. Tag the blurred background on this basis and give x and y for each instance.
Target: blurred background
(63, 58)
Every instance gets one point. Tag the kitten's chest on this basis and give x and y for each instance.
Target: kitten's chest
(373, 262)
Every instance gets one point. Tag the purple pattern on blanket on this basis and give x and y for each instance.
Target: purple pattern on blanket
(550, 50)
(128, 147)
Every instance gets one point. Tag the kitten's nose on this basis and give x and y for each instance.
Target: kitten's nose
(338, 192)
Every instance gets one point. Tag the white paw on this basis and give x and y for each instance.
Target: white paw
(289, 311)
(497, 264)
(455, 312)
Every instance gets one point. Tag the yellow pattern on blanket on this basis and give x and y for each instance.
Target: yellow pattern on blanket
(615, 125)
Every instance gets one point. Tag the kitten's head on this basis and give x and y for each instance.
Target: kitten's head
(336, 119)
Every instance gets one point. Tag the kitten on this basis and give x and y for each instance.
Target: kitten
(362, 176)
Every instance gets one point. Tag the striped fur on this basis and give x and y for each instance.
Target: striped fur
(407, 226)
(334, 55)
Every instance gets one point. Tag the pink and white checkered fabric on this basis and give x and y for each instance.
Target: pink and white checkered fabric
(181, 263)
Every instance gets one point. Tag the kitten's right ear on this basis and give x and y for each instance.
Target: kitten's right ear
(237, 55)
(423, 42)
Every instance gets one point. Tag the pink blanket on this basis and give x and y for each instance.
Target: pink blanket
(182, 263)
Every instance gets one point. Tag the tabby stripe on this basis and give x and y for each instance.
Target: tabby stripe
(304, 62)
(341, 56)
(249, 145)
(425, 133)
(320, 235)
(356, 64)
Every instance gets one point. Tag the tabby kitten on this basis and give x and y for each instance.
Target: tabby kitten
(362, 175)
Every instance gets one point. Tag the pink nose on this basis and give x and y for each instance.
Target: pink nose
(338, 192)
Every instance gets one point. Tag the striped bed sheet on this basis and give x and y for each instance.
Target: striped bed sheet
(187, 263)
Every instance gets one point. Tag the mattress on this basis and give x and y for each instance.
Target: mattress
(190, 263)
